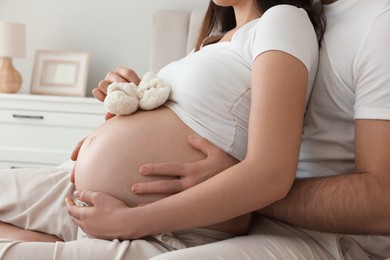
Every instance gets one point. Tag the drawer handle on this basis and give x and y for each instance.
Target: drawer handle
(27, 116)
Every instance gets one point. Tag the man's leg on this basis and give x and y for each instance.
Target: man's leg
(34, 199)
(268, 240)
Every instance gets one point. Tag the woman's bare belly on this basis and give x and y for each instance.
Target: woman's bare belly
(111, 155)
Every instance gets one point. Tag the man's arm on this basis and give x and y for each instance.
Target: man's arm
(356, 203)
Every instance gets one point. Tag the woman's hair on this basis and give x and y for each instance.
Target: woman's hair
(222, 19)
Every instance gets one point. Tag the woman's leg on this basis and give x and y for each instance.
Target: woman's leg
(33, 199)
(81, 249)
(103, 249)
(8, 231)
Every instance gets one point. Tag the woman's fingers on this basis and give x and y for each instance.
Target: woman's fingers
(163, 169)
(202, 144)
(92, 219)
(76, 150)
(128, 75)
(188, 174)
(187, 169)
(158, 187)
(101, 91)
(89, 197)
(120, 74)
(113, 76)
(217, 160)
(168, 186)
(72, 179)
(99, 94)
(73, 210)
(109, 116)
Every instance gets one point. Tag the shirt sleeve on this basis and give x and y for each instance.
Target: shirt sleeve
(287, 28)
(372, 72)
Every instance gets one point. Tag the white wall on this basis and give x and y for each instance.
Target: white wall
(114, 32)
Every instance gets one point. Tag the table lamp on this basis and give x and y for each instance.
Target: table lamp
(12, 45)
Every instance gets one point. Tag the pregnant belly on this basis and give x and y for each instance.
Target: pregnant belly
(111, 155)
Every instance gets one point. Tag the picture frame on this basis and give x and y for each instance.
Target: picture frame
(63, 73)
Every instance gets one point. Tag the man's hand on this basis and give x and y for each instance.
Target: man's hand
(93, 219)
(189, 174)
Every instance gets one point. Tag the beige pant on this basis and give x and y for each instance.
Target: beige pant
(34, 199)
(273, 240)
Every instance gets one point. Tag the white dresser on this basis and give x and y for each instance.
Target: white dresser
(40, 131)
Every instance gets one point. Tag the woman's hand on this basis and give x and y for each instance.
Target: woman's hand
(189, 174)
(104, 218)
(120, 74)
(73, 157)
(72, 178)
(76, 150)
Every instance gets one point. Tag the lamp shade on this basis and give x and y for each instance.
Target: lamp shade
(12, 40)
